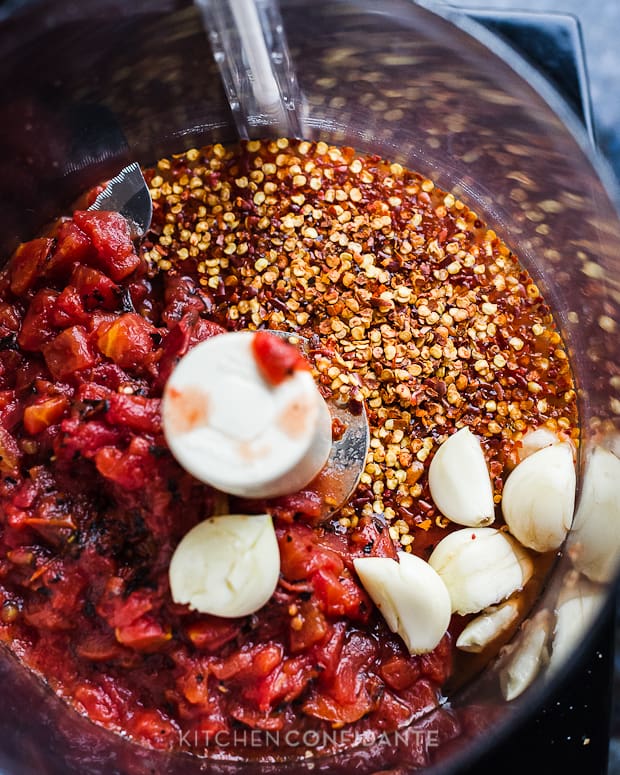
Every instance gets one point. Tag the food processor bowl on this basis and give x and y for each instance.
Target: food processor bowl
(88, 86)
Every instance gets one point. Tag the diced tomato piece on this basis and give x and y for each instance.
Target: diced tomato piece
(95, 288)
(73, 247)
(41, 414)
(183, 297)
(84, 438)
(123, 468)
(106, 375)
(99, 647)
(55, 610)
(110, 236)
(119, 609)
(372, 540)
(69, 352)
(69, 310)
(300, 554)
(27, 262)
(194, 687)
(9, 317)
(400, 672)
(135, 412)
(313, 628)
(249, 665)
(188, 331)
(96, 704)
(324, 706)
(392, 712)
(285, 682)
(37, 327)
(327, 654)
(99, 319)
(203, 330)
(344, 697)
(11, 409)
(437, 664)
(275, 358)
(211, 633)
(144, 634)
(127, 341)
(341, 596)
(10, 454)
(304, 502)
(421, 697)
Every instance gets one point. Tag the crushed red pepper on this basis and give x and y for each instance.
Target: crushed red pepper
(411, 305)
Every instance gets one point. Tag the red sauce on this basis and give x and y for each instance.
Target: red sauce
(93, 505)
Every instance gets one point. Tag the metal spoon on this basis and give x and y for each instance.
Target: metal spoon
(341, 473)
(128, 194)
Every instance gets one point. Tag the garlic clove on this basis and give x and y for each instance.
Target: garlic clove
(578, 606)
(595, 537)
(227, 565)
(484, 629)
(459, 481)
(480, 567)
(536, 439)
(412, 598)
(539, 497)
(527, 657)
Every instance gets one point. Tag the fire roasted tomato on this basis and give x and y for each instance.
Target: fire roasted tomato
(38, 327)
(26, 264)
(69, 352)
(109, 233)
(275, 358)
(41, 414)
(73, 247)
(95, 289)
(127, 340)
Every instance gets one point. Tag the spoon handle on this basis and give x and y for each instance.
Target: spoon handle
(250, 48)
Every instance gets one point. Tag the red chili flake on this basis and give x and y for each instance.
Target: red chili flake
(276, 359)
(338, 429)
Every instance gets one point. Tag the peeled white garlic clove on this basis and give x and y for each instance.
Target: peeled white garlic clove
(535, 440)
(459, 481)
(595, 537)
(539, 497)
(484, 629)
(527, 657)
(578, 606)
(480, 567)
(412, 598)
(227, 565)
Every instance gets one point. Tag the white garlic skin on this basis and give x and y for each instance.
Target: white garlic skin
(484, 629)
(480, 567)
(459, 481)
(412, 598)
(539, 498)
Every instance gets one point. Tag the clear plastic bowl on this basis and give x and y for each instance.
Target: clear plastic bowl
(87, 86)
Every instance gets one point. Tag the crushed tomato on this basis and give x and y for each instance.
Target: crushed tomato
(93, 505)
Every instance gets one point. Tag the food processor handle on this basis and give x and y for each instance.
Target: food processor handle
(249, 46)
